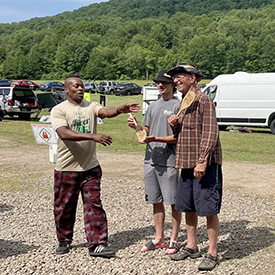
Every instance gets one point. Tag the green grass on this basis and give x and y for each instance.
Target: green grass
(14, 179)
(25, 183)
(257, 147)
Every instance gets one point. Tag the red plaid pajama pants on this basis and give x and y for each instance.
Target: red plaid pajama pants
(67, 186)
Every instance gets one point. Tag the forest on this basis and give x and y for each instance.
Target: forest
(134, 39)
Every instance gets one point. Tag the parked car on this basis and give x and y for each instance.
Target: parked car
(201, 86)
(20, 101)
(51, 86)
(59, 96)
(25, 83)
(107, 87)
(2, 114)
(151, 85)
(127, 88)
(97, 87)
(5, 82)
(90, 87)
(48, 100)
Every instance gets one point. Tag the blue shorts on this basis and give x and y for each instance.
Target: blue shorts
(203, 195)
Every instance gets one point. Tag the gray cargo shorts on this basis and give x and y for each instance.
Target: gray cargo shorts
(161, 184)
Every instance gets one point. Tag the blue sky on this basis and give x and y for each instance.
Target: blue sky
(21, 10)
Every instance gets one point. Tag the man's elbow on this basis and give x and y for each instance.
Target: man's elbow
(63, 133)
(62, 136)
(102, 113)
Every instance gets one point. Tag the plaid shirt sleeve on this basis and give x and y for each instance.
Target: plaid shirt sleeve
(210, 130)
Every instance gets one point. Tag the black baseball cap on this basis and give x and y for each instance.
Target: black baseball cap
(163, 76)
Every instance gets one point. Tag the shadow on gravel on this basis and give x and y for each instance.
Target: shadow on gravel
(242, 239)
(123, 239)
(10, 248)
(5, 207)
(241, 242)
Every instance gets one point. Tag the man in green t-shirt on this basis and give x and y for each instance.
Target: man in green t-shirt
(77, 168)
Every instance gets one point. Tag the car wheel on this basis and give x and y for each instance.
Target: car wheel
(128, 93)
(111, 92)
(222, 127)
(272, 126)
(27, 116)
(1, 115)
(24, 116)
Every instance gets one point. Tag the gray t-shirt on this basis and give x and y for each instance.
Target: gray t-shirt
(159, 153)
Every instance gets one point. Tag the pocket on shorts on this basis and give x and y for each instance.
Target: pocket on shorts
(215, 192)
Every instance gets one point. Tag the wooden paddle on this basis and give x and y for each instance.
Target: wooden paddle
(187, 101)
(140, 132)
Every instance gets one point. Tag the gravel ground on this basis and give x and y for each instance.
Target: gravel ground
(28, 241)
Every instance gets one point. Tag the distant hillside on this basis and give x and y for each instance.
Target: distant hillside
(134, 39)
(139, 9)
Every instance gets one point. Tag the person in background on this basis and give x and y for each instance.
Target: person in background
(199, 157)
(160, 176)
(77, 168)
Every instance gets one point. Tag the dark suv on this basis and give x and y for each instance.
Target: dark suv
(5, 82)
(127, 89)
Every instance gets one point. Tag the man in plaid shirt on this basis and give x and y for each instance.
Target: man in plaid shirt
(199, 157)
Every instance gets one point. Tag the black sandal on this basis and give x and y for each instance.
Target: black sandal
(172, 245)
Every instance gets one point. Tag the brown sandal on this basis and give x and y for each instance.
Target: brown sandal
(186, 252)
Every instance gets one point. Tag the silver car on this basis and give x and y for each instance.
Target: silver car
(107, 87)
(18, 101)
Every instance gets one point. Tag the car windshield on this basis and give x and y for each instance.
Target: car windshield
(23, 93)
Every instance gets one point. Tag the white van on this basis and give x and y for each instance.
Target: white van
(244, 99)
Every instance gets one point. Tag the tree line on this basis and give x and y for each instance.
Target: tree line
(115, 45)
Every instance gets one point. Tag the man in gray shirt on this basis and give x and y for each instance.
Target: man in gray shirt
(160, 176)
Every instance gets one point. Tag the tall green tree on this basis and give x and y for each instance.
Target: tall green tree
(102, 63)
(72, 55)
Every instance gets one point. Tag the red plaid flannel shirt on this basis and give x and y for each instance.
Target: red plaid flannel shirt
(198, 133)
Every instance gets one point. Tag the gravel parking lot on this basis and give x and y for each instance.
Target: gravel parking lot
(28, 242)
